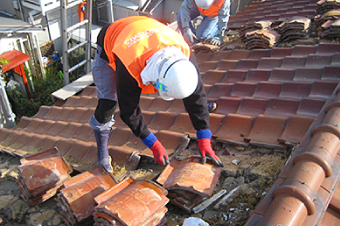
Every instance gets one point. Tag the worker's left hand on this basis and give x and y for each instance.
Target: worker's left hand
(159, 153)
(216, 40)
(206, 150)
(204, 144)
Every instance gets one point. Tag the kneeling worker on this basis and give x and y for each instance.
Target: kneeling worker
(141, 55)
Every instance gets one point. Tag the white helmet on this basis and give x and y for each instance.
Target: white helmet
(204, 4)
(178, 78)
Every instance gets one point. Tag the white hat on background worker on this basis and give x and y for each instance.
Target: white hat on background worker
(204, 4)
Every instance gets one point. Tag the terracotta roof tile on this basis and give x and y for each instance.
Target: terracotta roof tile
(266, 130)
(293, 62)
(281, 74)
(213, 76)
(295, 90)
(180, 178)
(252, 106)
(137, 208)
(227, 105)
(243, 89)
(267, 89)
(227, 64)
(40, 175)
(307, 74)
(257, 75)
(310, 107)
(331, 73)
(220, 89)
(219, 55)
(234, 76)
(269, 62)
(235, 128)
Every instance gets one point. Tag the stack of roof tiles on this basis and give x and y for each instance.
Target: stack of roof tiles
(294, 28)
(132, 202)
(329, 22)
(188, 181)
(259, 35)
(76, 197)
(331, 29)
(326, 5)
(273, 10)
(41, 175)
(330, 15)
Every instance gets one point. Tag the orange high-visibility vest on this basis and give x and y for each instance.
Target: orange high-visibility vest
(135, 39)
(81, 13)
(213, 10)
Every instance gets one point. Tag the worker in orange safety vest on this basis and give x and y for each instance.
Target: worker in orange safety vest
(215, 16)
(81, 11)
(141, 55)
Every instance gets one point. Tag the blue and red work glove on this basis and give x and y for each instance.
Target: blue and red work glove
(159, 153)
(204, 144)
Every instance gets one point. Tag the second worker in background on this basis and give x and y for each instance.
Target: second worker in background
(215, 14)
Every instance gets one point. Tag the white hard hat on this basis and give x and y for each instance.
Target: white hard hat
(204, 4)
(178, 78)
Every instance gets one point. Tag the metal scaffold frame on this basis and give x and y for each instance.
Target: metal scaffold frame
(64, 6)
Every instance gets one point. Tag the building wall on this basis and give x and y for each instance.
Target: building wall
(7, 6)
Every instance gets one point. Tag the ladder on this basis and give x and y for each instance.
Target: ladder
(65, 30)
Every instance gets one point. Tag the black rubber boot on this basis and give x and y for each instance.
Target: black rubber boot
(102, 138)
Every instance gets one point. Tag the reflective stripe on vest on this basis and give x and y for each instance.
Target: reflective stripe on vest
(213, 10)
(135, 39)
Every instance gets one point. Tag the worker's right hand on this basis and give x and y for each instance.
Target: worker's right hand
(189, 36)
(159, 153)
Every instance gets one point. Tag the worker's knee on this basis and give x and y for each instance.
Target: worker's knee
(105, 110)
